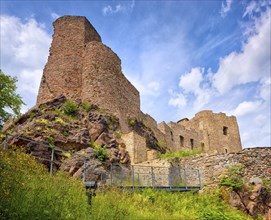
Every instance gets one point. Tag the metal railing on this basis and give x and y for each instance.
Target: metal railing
(138, 176)
(134, 176)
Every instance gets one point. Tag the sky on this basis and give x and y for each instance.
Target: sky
(183, 56)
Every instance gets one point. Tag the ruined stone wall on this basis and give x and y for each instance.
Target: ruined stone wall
(136, 147)
(220, 133)
(183, 138)
(81, 67)
(256, 162)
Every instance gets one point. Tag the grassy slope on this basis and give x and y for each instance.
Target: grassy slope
(28, 192)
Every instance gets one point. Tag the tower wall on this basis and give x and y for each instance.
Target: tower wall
(80, 66)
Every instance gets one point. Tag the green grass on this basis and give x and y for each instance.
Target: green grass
(162, 205)
(181, 153)
(27, 191)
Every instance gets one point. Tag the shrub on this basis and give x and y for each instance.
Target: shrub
(117, 134)
(59, 121)
(42, 121)
(132, 122)
(70, 108)
(65, 133)
(86, 106)
(233, 177)
(100, 153)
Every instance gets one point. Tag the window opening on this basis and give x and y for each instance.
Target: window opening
(171, 135)
(181, 141)
(225, 130)
(192, 143)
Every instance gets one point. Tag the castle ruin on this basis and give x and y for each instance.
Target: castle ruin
(81, 67)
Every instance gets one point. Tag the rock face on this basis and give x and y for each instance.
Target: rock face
(253, 199)
(85, 130)
(81, 67)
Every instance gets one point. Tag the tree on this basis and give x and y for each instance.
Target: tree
(9, 100)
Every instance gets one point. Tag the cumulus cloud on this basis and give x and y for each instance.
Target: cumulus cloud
(225, 7)
(177, 99)
(251, 64)
(190, 82)
(241, 86)
(195, 83)
(24, 50)
(247, 107)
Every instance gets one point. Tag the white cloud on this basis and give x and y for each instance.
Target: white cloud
(251, 64)
(177, 99)
(247, 107)
(193, 82)
(119, 8)
(190, 82)
(225, 8)
(255, 7)
(265, 90)
(24, 51)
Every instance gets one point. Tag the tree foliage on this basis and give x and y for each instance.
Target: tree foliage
(9, 100)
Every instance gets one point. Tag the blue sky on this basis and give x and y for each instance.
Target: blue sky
(183, 56)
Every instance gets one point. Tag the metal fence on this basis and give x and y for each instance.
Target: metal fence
(134, 176)
(139, 176)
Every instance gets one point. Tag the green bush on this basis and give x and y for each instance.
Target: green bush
(86, 106)
(70, 108)
(132, 122)
(100, 153)
(233, 178)
(117, 134)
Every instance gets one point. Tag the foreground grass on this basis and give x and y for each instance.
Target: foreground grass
(28, 192)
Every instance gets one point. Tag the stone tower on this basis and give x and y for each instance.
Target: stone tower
(80, 66)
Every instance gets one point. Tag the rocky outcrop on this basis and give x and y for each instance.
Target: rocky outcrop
(253, 199)
(85, 128)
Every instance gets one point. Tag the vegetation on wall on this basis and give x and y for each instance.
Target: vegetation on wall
(181, 153)
(233, 177)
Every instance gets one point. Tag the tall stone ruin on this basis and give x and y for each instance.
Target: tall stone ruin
(80, 66)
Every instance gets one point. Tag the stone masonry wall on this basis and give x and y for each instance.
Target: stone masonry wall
(81, 67)
(62, 73)
(256, 161)
(136, 147)
(183, 138)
